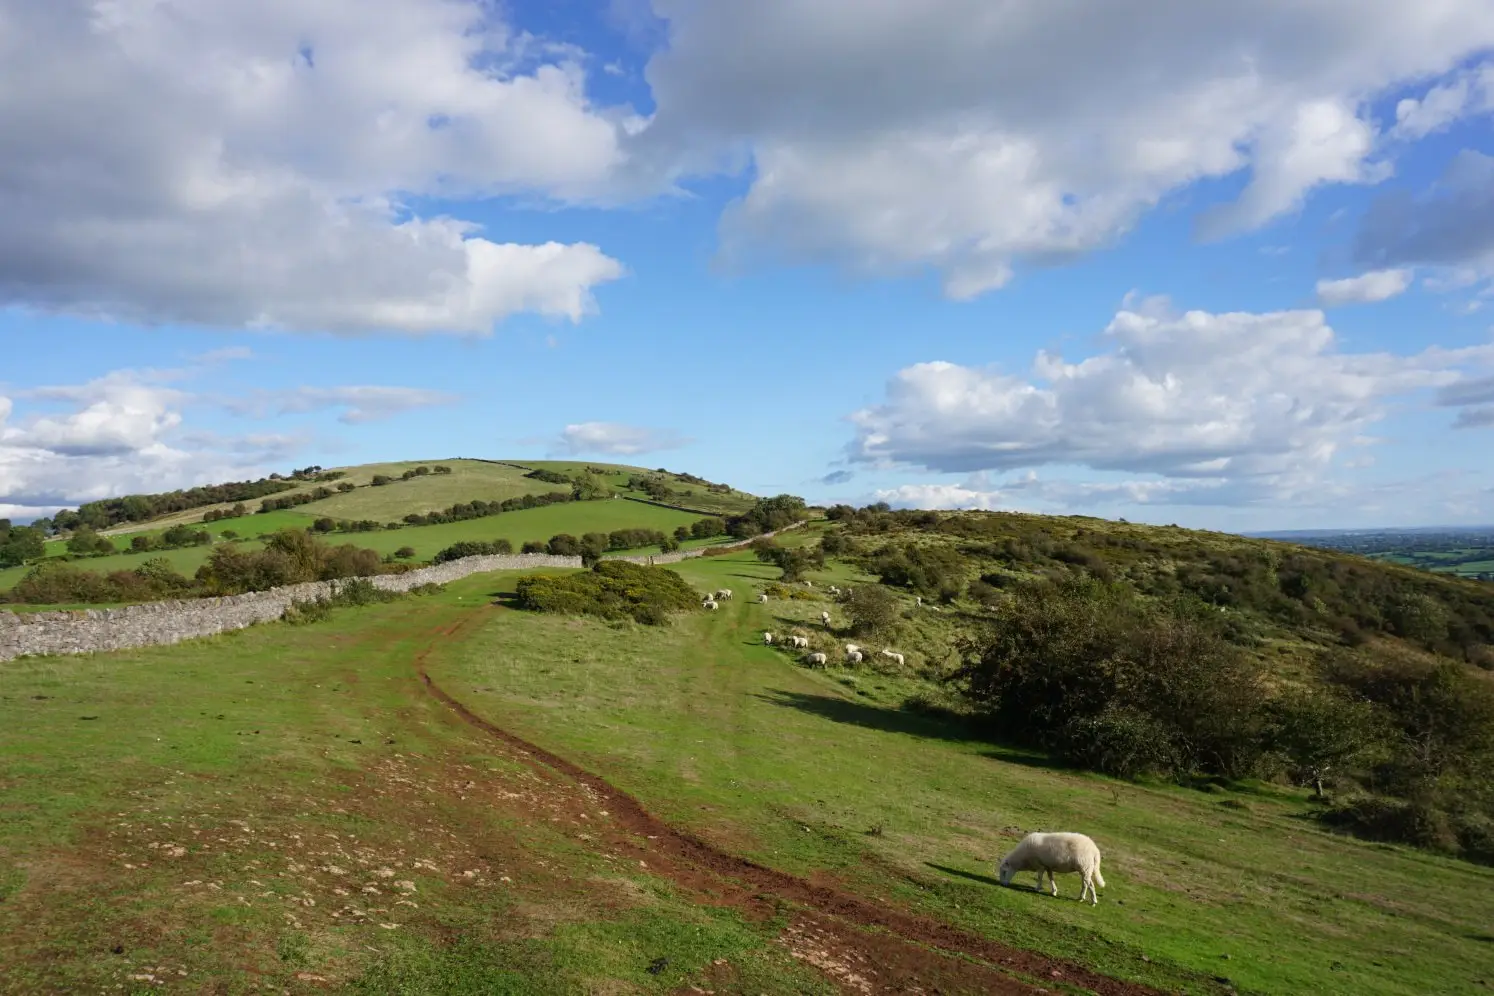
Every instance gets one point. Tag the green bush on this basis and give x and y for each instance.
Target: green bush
(612, 589)
(468, 548)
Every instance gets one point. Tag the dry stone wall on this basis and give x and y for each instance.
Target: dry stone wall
(155, 623)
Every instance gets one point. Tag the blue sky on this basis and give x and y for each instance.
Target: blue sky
(1225, 268)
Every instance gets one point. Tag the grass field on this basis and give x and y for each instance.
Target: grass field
(517, 527)
(691, 495)
(468, 480)
(224, 807)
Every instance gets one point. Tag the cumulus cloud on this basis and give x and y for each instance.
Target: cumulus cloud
(972, 137)
(1367, 288)
(122, 434)
(250, 165)
(615, 439)
(1258, 405)
(360, 403)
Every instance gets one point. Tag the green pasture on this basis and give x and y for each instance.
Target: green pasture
(822, 772)
(469, 480)
(203, 817)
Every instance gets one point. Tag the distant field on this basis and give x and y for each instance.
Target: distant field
(469, 480)
(691, 495)
(527, 524)
(516, 527)
(186, 561)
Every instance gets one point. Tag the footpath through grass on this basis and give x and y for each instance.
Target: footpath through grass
(820, 773)
(286, 809)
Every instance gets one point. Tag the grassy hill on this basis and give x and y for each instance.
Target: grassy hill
(353, 495)
(298, 808)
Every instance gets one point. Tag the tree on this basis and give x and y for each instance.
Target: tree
(1321, 732)
(20, 545)
(83, 541)
(872, 608)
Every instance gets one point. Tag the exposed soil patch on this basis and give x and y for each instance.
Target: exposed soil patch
(830, 926)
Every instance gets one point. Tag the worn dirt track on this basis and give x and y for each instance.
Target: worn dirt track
(898, 951)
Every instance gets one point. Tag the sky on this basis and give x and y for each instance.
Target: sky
(1229, 266)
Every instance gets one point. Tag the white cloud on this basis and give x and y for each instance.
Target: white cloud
(233, 165)
(1470, 92)
(360, 403)
(123, 435)
(942, 497)
(971, 137)
(615, 439)
(1367, 288)
(1226, 407)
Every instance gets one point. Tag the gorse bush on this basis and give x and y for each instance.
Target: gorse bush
(612, 589)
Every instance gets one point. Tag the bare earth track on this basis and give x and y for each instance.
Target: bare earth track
(864, 947)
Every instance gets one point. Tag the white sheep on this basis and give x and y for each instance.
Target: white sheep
(816, 659)
(763, 597)
(894, 656)
(917, 599)
(708, 604)
(724, 593)
(768, 639)
(809, 584)
(853, 656)
(801, 641)
(1046, 853)
(825, 618)
(851, 648)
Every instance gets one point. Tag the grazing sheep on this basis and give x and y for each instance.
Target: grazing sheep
(1046, 853)
(708, 604)
(809, 584)
(763, 597)
(853, 656)
(851, 648)
(816, 659)
(834, 590)
(768, 639)
(825, 618)
(801, 641)
(917, 599)
(893, 655)
(724, 593)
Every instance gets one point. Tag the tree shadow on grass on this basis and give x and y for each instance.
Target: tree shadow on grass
(935, 726)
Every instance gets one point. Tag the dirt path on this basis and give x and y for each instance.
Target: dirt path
(863, 946)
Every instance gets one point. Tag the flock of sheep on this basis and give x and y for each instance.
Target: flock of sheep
(1046, 854)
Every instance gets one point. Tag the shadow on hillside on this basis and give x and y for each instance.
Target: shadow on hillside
(952, 729)
(972, 876)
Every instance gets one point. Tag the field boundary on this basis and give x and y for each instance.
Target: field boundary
(747, 883)
(147, 624)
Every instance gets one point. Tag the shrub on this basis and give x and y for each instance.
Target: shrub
(20, 544)
(346, 486)
(140, 544)
(533, 546)
(563, 545)
(873, 610)
(1082, 666)
(379, 480)
(469, 548)
(612, 589)
(404, 552)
